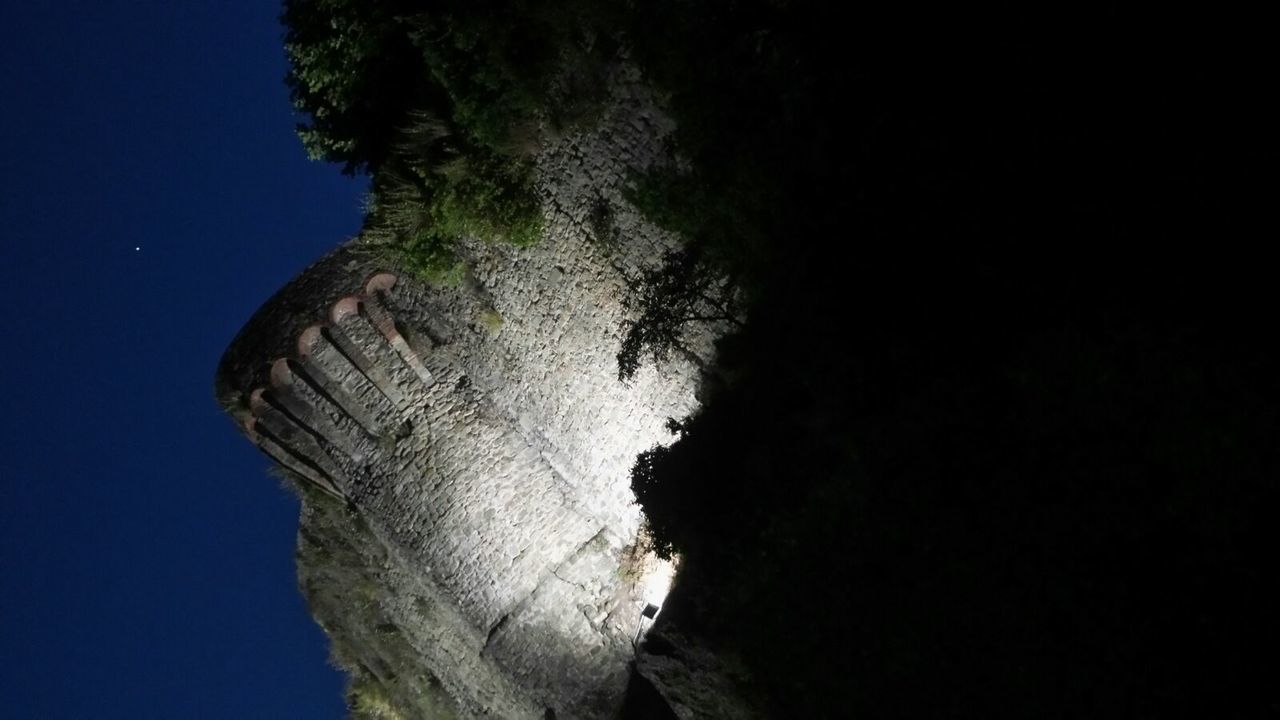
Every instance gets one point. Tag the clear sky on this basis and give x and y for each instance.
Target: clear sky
(153, 197)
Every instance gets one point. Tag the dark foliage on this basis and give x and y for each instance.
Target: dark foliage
(684, 289)
(995, 440)
(969, 510)
(356, 74)
(445, 105)
(492, 70)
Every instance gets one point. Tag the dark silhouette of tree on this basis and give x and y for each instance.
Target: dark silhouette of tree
(683, 290)
(356, 74)
(445, 105)
(358, 69)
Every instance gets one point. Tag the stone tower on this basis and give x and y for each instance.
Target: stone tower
(480, 434)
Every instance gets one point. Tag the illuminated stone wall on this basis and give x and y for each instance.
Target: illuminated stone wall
(481, 432)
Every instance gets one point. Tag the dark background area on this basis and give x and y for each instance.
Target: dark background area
(146, 557)
(999, 436)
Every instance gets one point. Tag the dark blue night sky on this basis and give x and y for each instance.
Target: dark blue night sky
(147, 556)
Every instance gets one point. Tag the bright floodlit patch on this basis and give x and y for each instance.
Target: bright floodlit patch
(656, 582)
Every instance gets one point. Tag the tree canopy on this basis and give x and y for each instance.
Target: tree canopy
(444, 106)
(355, 73)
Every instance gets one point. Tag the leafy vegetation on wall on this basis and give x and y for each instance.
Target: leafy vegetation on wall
(444, 104)
(341, 566)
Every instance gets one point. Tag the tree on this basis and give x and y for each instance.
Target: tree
(684, 289)
(355, 73)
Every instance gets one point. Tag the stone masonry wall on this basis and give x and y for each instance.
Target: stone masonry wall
(481, 431)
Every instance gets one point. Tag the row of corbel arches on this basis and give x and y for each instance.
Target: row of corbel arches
(353, 385)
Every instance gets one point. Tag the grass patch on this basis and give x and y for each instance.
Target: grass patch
(433, 194)
(368, 700)
(491, 319)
